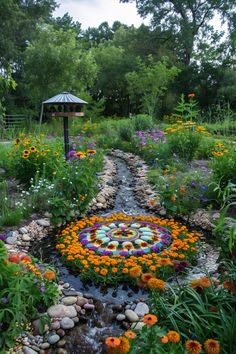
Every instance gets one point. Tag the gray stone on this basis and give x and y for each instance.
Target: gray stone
(61, 351)
(75, 319)
(61, 332)
(43, 222)
(23, 230)
(67, 323)
(141, 309)
(78, 308)
(131, 316)
(35, 348)
(89, 306)
(66, 285)
(61, 311)
(138, 326)
(44, 345)
(81, 301)
(70, 300)
(27, 350)
(53, 339)
(26, 238)
(88, 296)
(48, 215)
(69, 292)
(120, 317)
(12, 240)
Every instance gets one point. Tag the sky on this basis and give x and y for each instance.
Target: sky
(91, 13)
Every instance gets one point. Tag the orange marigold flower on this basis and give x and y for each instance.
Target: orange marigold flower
(182, 190)
(135, 272)
(205, 282)
(164, 339)
(130, 334)
(173, 199)
(49, 275)
(173, 336)
(229, 285)
(193, 347)
(103, 271)
(191, 95)
(155, 283)
(150, 320)
(146, 276)
(124, 346)
(212, 346)
(112, 342)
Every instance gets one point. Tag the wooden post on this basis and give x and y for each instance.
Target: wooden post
(66, 136)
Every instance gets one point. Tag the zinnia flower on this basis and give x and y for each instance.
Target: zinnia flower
(112, 342)
(212, 346)
(49, 275)
(130, 334)
(193, 347)
(150, 320)
(173, 336)
(164, 339)
(146, 276)
(135, 272)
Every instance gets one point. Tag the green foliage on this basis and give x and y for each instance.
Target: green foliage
(21, 291)
(186, 111)
(142, 122)
(126, 131)
(185, 143)
(149, 83)
(224, 168)
(190, 313)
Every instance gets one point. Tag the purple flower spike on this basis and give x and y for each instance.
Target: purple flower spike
(84, 242)
(3, 238)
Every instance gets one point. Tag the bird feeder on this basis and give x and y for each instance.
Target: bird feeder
(63, 105)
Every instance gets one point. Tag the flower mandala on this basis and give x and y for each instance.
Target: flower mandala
(120, 247)
(125, 238)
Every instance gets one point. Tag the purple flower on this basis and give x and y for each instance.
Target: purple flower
(3, 237)
(203, 187)
(42, 289)
(193, 184)
(84, 242)
(107, 253)
(4, 300)
(124, 253)
(71, 153)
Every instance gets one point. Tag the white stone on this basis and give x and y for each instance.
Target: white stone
(61, 311)
(141, 309)
(131, 316)
(43, 222)
(69, 300)
(67, 323)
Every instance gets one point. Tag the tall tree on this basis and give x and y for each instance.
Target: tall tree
(185, 18)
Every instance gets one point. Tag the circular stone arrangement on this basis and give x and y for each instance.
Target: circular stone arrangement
(125, 238)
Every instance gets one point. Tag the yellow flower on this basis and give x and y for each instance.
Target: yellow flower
(173, 336)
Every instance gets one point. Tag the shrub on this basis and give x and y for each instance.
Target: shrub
(224, 167)
(125, 130)
(184, 143)
(142, 122)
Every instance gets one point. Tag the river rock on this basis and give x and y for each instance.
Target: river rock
(81, 301)
(67, 323)
(44, 345)
(69, 292)
(23, 230)
(75, 319)
(61, 351)
(26, 238)
(43, 222)
(69, 300)
(61, 343)
(131, 316)
(12, 240)
(27, 350)
(61, 311)
(138, 326)
(55, 325)
(120, 317)
(141, 309)
(61, 332)
(53, 339)
(89, 306)
(66, 285)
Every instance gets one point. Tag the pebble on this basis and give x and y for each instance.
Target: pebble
(11, 240)
(117, 308)
(43, 222)
(69, 300)
(35, 348)
(81, 301)
(53, 339)
(88, 296)
(75, 319)
(44, 345)
(70, 292)
(138, 326)
(141, 309)
(67, 323)
(61, 332)
(61, 351)
(61, 311)
(55, 325)
(26, 238)
(131, 316)
(120, 317)
(27, 350)
(66, 285)
(61, 343)
(89, 306)
(23, 230)
(78, 308)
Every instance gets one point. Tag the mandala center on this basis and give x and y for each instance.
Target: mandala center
(123, 234)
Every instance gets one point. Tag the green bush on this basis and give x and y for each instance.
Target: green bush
(142, 122)
(184, 143)
(23, 288)
(224, 168)
(125, 130)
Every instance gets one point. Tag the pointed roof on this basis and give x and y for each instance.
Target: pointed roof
(64, 97)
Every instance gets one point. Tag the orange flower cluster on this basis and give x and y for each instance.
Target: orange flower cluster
(229, 285)
(116, 267)
(219, 150)
(117, 345)
(211, 346)
(200, 283)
